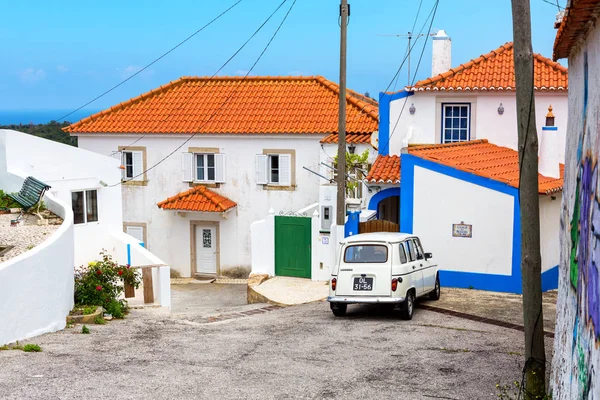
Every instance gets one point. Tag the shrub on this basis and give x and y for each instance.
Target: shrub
(32, 348)
(100, 320)
(99, 284)
(7, 202)
(85, 330)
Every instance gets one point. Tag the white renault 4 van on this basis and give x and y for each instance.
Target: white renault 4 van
(385, 268)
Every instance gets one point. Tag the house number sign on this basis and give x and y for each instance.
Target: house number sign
(462, 230)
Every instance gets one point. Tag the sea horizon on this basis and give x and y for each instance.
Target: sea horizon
(40, 116)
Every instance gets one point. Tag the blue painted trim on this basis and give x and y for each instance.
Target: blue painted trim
(549, 128)
(550, 279)
(143, 244)
(385, 100)
(502, 283)
(384, 194)
(128, 254)
(351, 225)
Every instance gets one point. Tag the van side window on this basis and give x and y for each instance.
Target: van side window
(402, 254)
(418, 249)
(410, 247)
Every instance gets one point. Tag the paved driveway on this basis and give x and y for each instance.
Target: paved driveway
(295, 352)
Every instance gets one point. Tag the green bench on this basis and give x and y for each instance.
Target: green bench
(31, 193)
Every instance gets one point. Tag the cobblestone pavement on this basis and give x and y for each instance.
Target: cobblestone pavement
(25, 236)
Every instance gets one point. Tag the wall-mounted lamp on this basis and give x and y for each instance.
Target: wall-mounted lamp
(412, 108)
(351, 148)
(501, 109)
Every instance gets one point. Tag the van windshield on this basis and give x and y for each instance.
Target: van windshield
(366, 253)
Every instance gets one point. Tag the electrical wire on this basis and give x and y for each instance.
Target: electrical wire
(153, 62)
(213, 75)
(552, 4)
(226, 100)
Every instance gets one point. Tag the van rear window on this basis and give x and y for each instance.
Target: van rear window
(366, 253)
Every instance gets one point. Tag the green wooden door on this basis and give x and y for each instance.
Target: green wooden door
(292, 246)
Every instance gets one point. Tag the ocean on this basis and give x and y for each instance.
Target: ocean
(8, 117)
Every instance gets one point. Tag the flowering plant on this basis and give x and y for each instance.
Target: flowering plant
(99, 284)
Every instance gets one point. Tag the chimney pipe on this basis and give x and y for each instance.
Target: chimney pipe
(549, 164)
(441, 60)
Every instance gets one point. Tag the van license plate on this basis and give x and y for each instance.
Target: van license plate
(363, 283)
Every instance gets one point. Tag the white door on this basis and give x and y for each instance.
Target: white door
(206, 250)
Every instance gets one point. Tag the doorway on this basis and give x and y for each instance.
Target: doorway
(205, 248)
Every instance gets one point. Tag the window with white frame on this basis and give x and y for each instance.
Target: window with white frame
(203, 167)
(85, 206)
(274, 169)
(456, 123)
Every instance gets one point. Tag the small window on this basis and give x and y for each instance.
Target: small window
(205, 167)
(138, 232)
(274, 168)
(456, 123)
(410, 249)
(133, 163)
(418, 249)
(403, 259)
(369, 253)
(85, 206)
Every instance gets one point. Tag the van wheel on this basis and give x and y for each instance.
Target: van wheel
(338, 309)
(435, 294)
(407, 308)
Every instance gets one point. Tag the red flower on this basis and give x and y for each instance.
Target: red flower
(120, 272)
(128, 266)
(98, 287)
(99, 272)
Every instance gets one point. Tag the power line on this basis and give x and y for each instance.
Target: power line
(226, 100)
(553, 4)
(434, 11)
(215, 74)
(153, 62)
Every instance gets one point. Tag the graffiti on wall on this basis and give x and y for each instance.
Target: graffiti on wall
(584, 260)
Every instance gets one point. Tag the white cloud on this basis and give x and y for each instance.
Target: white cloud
(62, 69)
(132, 69)
(32, 75)
(241, 72)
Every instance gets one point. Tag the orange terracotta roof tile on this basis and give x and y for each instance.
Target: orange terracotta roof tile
(578, 18)
(198, 199)
(485, 159)
(495, 71)
(234, 105)
(354, 138)
(385, 169)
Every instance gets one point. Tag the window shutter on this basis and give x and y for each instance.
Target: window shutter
(187, 166)
(285, 170)
(261, 169)
(220, 168)
(138, 166)
(119, 156)
(137, 232)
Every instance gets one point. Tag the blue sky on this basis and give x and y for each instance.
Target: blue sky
(60, 57)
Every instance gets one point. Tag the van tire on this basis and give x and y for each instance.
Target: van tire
(338, 309)
(435, 294)
(408, 306)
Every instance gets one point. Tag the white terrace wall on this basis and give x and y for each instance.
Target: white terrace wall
(424, 126)
(36, 287)
(576, 361)
(68, 169)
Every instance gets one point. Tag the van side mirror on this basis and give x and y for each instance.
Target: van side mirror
(428, 256)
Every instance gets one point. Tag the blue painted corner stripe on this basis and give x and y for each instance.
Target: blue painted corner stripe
(549, 128)
(385, 100)
(550, 279)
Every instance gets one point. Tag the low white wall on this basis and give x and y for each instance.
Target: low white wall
(36, 287)
(444, 201)
(550, 231)
(263, 245)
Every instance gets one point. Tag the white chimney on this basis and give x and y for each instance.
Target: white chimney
(549, 164)
(441, 60)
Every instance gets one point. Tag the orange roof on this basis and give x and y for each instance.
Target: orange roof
(356, 138)
(199, 199)
(485, 159)
(234, 105)
(574, 25)
(385, 169)
(495, 71)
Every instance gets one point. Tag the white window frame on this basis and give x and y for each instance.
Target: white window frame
(137, 170)
(84, 191)
(455, 132)
(205, 167)
(141, 226)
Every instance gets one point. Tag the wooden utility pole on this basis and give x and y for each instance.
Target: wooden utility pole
(341, 160)
(531, 263)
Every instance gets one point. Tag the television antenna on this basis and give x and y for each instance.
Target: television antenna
(409, 36)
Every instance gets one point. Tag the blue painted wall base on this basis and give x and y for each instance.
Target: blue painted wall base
(351, 227)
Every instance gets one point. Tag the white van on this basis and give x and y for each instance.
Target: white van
(385, 268)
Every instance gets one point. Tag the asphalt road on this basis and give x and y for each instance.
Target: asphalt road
(299, 352)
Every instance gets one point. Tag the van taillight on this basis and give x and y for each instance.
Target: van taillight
(333, 283)
(394, 284)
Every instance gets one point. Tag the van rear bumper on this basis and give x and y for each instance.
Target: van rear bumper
(364, 299)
